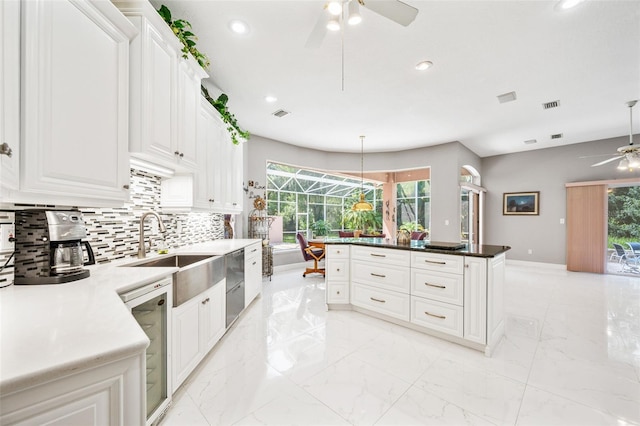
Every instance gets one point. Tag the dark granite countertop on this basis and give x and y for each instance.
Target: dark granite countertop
(474, 250)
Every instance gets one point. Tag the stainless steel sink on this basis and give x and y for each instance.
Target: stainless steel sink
(179, 260)
(197, 273)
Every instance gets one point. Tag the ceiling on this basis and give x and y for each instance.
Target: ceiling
(587, 57)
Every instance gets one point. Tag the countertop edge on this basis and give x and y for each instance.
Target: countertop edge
(484, 251)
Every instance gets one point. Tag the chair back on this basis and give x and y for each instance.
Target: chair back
(620, 250)
(418, 235)
(635, 248)
(303, 245)
(372, 235)
(345, 234)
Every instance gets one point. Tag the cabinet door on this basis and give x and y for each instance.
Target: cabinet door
(188, 112)
(475, 299)
(252, 272)
(75, 101)
(232, 178)
(9, 95)
(187, 347)
(207, 192)
(213, 314)
(153, 130)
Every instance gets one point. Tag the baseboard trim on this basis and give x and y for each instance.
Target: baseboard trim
(536, 264)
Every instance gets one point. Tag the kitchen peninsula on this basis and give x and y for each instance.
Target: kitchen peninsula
(449, 290)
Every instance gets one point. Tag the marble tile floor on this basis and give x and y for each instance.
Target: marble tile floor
(571, 356)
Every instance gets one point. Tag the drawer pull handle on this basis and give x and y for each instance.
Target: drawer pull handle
(378, 275)
(434, 315)
(435, 285)
(435, 263)
(204, 302)
(378, 255)
(254, 250)
(338, 269)
(378, 300)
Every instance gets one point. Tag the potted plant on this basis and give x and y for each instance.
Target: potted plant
(320, 228)
(360, 221)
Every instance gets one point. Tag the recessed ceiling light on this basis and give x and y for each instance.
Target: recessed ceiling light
(568, 4)
(530, 142)
(239, 27)
(270, 98)
(424, 65)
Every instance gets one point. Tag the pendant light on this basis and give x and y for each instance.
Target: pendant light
(362, 205)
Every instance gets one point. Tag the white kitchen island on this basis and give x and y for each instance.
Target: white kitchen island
(454, 294)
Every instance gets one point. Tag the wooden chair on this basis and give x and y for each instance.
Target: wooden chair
(311, 253)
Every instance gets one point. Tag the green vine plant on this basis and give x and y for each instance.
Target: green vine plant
(229, 119)
(181, 29)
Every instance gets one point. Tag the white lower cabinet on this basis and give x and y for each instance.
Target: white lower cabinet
(443, 317)
(337, 274)
(198, 324)
(105, 395)
(252, 272)
(386, 302)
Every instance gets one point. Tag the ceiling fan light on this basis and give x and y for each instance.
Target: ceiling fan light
(354, 13)
(333, 24)
(634, 162)
(334, 8)
(624, 164)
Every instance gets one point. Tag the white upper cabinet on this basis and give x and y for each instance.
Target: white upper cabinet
(208, 185)
(232, 175)
(9, 97)
(165, 92)
(74, 105)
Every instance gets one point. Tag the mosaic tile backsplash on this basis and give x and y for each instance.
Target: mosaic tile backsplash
(114, 232)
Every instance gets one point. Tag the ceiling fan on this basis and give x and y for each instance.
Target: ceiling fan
(337, 11)
(629, 155)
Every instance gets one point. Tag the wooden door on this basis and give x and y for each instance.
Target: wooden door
(586, 228)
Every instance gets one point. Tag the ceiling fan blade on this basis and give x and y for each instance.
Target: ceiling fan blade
(318, 32)
(607, 161)
(395, 10)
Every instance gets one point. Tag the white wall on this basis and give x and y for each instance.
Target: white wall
(547, 171)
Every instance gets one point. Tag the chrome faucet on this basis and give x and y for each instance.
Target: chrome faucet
(142, 251)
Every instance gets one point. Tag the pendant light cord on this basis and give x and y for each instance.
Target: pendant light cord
(362, 164)
(631, 105)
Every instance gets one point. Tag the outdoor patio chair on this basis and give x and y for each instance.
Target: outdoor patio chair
(629, 261)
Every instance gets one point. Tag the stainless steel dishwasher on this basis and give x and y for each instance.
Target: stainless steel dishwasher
(234, 262)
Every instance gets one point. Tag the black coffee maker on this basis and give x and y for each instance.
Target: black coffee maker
(49, 247)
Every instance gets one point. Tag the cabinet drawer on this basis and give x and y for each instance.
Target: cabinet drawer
(338, 292)
(382, 256)
(337, 251)
(253, 251)
(439, 286)
(438, 316)
(438, 262)
(391, 277)
(382, 301)
(337, 269)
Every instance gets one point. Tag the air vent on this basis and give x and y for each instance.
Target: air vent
(557, 136)
(552, 104)
(281, 113)
(530, 142)
(507, 97)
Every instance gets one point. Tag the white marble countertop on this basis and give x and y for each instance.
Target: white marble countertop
(50, 331)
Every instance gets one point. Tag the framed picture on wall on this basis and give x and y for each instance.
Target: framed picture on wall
(521, 203)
